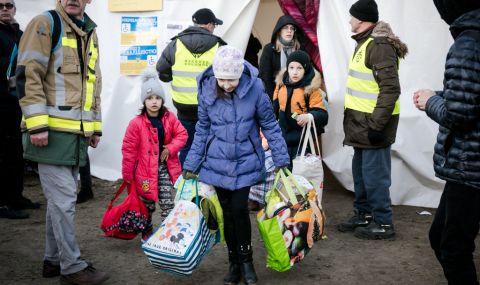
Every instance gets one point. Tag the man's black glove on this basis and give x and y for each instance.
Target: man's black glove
(376, 137)
(189, 175)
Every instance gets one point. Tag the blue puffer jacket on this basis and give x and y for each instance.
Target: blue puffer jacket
(457, 108)
(227, 150)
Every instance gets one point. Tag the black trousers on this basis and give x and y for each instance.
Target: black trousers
(237, 227)
(453, 232)
(11, 150)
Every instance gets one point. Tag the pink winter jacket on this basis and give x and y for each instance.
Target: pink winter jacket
(141, 152)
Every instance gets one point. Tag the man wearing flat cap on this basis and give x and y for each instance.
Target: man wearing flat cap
(186, 56)
(372, 109)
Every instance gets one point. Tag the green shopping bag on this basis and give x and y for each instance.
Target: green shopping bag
(270, 229)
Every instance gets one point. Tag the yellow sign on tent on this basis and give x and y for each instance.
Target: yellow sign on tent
(134, 5)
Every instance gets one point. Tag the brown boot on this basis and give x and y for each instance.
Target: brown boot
(87, 276)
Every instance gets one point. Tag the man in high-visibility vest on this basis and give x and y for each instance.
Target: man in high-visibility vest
(59, 84)
(372, 110)
(185, 57)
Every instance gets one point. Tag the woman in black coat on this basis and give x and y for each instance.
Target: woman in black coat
(285, 40)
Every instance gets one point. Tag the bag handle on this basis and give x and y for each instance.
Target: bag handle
(295, 182)
(306, 138)
(119, 191)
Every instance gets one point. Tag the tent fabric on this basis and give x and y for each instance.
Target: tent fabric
(305, 13)
(418, 24)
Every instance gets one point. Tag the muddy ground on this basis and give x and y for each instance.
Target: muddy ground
(341, 259)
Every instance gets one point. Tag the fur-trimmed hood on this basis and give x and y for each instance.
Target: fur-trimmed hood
(315, 84)
(383, 29)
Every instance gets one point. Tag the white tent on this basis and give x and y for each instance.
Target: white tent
(416, 22)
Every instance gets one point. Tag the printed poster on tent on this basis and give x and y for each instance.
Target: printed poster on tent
(138, 44)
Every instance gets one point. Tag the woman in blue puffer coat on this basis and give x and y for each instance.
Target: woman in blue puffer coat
(227, 149)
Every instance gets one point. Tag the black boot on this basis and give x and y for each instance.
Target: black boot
(234, 273)
(246, 264)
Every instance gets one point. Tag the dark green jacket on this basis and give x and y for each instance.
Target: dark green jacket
(62, 149)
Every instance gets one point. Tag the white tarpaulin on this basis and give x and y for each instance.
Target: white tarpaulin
(416, 22)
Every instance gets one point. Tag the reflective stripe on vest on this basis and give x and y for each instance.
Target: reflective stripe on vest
(362, 89)
(185, 71)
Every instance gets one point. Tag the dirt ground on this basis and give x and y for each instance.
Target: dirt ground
(340, 259)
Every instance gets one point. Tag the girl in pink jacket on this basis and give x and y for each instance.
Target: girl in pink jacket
(150, 150)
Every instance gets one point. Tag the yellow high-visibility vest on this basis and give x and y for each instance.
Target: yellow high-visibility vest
(185, 71)
(362, 89)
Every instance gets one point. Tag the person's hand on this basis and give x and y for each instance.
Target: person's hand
(165, 153)
(94, 140)
(39, 139)
(420, 98)
(303, 119)
(278, 168)
(187, 174)
(376, 137)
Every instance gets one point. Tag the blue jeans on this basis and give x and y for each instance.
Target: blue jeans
(371, 177)
(190, 127)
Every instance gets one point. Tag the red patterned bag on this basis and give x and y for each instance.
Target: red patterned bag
(127, 219)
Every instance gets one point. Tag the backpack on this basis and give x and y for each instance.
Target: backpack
(56, 29)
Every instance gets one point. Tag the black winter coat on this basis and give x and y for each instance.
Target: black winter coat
(270, 58)
(9, 36)
(457, 108)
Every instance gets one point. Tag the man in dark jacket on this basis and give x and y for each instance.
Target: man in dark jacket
(185, 57)
(457, 152)
(11, 153)
(372, 110)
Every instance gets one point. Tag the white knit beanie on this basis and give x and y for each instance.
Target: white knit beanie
(151, 85)
(228, 63)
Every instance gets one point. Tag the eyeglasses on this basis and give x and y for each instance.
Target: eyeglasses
(9, 6)
(289, 28)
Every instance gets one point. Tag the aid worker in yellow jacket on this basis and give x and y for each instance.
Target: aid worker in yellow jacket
(185, 57)
(372, 110)
(59, 84)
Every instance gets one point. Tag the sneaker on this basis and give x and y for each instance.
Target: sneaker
(11, 213)
(50, 269)
(89, 275)
(84, 195)
(375, 231)
(359, 219)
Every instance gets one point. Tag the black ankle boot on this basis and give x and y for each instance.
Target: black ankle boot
(248, 271)
(249, 274)
(234, 273)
